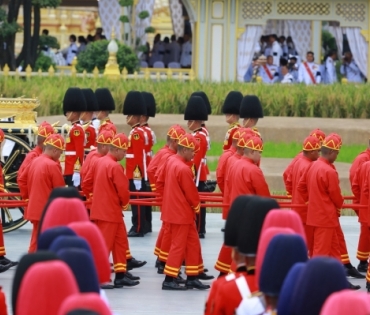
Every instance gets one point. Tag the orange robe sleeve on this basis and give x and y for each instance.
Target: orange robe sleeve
(302, 186)
(189, 189)
(221, 169)
(120, 182)
(356, 189)
(160, 179)
(334, 189)
(87, 184)
(260, 184)
(22, 183)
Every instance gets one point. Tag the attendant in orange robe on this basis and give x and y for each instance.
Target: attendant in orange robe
(319, 186)
(231, 110)
(44, 131)
(74, 104)
(92, 107)
(245, 227)
(110, 198)
(106, 106)
(366, 192)
(310, 153)
(317, 133)
(180, 203)
(42, 176)
(355, 178)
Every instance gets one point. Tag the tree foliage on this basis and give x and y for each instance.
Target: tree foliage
(43, 62)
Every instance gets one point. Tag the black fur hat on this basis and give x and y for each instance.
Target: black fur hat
(232, 103)
(251, 107)
(134, 104)
(105, 99)
(91, 101)
(74, 101)
(205, 99)
(196, 109)
(150, 103)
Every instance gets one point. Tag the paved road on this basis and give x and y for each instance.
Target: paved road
(148, 298)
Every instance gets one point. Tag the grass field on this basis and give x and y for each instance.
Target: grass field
(275, 150)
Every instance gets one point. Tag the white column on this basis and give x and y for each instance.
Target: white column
(217, 52)
(316, 39)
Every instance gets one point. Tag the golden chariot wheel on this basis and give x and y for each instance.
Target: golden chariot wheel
(14, 150)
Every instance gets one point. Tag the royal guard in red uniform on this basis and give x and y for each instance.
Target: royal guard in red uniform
(363, 250)
(134, 107)
(5, 263)
(106, 106)
(111, 197)
(86, 117)
(317, 133)
(44, 131)
(231, 110)
(180, 203)
(74, 104)
(196, 114)
(246, 227)
(41, 177)
(310, 153)
(150, 140)
(250, 111)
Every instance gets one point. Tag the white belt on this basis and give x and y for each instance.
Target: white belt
(70, 153)
(149, 154)
(204, 161)
(129, 156)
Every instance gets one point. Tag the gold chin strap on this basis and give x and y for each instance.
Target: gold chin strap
(69, 116)
(245, 125)
(129, 119)
(191, 125)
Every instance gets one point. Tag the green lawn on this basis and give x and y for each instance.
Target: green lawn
(276, 150)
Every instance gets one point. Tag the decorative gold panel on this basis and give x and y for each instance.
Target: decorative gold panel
(255, 9)
(352, 12)
(302, 8)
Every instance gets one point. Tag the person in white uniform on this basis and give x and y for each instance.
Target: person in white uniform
(284, 47)
(185, 59)
(158, 50)
(331, 71)
(276, 50)
(269, 72)
(174, 50)
(287, 76)
(308, 71)
(72, 49)
(350, 70)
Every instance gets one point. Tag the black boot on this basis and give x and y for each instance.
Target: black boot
(194, 283)
(6, 261)
(133, 263)
(131, 276)
(171, 284)
(362, 266)
(204, 276)
(122, 280)
(353, 287)
(352, 272)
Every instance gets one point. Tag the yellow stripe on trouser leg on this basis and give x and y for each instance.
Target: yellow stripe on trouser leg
(119, 267)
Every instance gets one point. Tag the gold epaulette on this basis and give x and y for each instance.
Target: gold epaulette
(86, 125)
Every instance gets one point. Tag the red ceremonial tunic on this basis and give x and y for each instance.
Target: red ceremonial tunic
(205, 130)
(288, 172)
(361, 158)
(87, 172)
(229, 297)
(135, 154)
(160, 175)
(229, 182)
(247, 179)
(75, 149)
(90, 133)
(111, 190)
(298, 170)
(200, 157)
(37, 151)
(149, 142)
(154, 164)
(229, 136)
(221, 167)
(320, 187)
(36, 183)
(359, 189)
(107, 124)
(180, 196)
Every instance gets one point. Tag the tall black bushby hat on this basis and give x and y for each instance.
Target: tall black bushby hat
(232, 103)
(74, 101)
(205, 99)
(196, 109)
(251, 107)
(251, 222)
(105, 99)
(150, 103)
(134, 104)
(233, 219)
(91, 101)
(282, 253)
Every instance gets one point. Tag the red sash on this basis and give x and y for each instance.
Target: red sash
(309, 72)
(267, 70)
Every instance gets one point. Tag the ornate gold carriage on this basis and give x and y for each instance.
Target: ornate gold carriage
(18, 120)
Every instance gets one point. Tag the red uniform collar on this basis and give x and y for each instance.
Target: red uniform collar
(136, 125)
(38, 150)
(248, 159)
(326, 162)
(111, 157)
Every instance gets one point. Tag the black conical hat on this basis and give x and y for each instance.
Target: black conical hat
(91, 101)
(150, 103)
(251, 107)
(232, 103)
(205, 99)
(74, 101)
(105, 99)
(196, 109)
(134, 104)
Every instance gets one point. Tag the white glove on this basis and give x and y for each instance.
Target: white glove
(137, 184)
(76, 178)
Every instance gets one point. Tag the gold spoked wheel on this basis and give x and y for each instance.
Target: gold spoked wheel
(14, 151)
